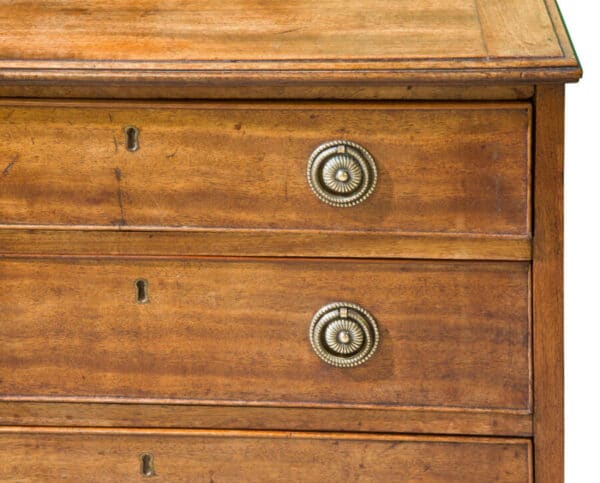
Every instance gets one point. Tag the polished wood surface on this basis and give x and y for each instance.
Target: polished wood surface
(145, 41)
(457, 254)
(113, 455)
(452, 168)
(548, 286)
(453, 334)
(280, 243)
(189, 415)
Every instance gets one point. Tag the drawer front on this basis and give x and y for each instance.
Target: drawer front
(89, 455)
(441, 168)
(451, 334)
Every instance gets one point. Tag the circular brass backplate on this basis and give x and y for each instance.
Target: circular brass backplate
(341, 173)
(344, 334)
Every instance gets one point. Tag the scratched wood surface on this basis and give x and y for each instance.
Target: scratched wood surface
(113, 455)
(453, 334)
(453, 168)
(274, 41)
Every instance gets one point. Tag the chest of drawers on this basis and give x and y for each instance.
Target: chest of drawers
(282, 241)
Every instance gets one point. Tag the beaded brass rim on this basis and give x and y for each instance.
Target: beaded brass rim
(344, 334)
(341, 173)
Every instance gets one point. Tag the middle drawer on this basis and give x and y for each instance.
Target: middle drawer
(218, 331)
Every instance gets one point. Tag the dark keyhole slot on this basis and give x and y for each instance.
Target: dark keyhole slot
(131, 134)
(147, 464)
(141, 287)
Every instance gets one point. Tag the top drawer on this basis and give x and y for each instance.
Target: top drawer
(440, 168)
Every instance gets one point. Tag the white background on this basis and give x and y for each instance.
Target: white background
(582, 248)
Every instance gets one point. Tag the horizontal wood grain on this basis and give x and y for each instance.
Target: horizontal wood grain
(448, 168)
(115, 455)
(305, 90)
(457, 254)
(30, 241)
(144, 31)
(215, 331)
(401, 40)
(353, 75)
(423, 421)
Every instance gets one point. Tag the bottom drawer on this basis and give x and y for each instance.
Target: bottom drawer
(189, 455)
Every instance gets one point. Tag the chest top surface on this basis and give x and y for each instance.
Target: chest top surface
(330, 40)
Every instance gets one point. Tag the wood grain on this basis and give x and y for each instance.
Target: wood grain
(266, 42)
(472, 340)
(305, 90)
(451, 168)
(548, 286)
(113, 455)
(279, 243)
(453, 334)
(423, 421)
(503, 33)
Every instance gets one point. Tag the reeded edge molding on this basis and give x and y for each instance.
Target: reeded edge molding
(182, 75)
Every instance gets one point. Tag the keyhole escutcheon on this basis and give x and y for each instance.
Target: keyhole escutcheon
(147, 462)
(132, 138)
(141, 291)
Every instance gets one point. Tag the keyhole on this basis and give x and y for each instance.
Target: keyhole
(131, 138)
(147, 464)
(141, 291)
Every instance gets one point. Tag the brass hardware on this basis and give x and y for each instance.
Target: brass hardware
(147, 464)
(141, 291)
(341, 173)
(131, 138)
(344, 334)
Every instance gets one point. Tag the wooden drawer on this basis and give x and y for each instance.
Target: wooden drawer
(117, 455)
(459, 168)
(214, 331)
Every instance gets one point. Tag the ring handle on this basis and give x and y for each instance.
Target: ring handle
(341, 173)
(344, 334)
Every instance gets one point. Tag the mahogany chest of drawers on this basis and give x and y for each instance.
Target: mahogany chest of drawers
(282, 241)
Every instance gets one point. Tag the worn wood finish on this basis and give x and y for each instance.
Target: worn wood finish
(453, 335)
(333, 40)
(455, 168)
(358, 77)
(113, 455)
(215, 212)
(423, 421)
(280, 243)
(305, 90)
(548, 286)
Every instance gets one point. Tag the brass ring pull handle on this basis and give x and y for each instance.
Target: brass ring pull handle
(341, 173)
(344, 334)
